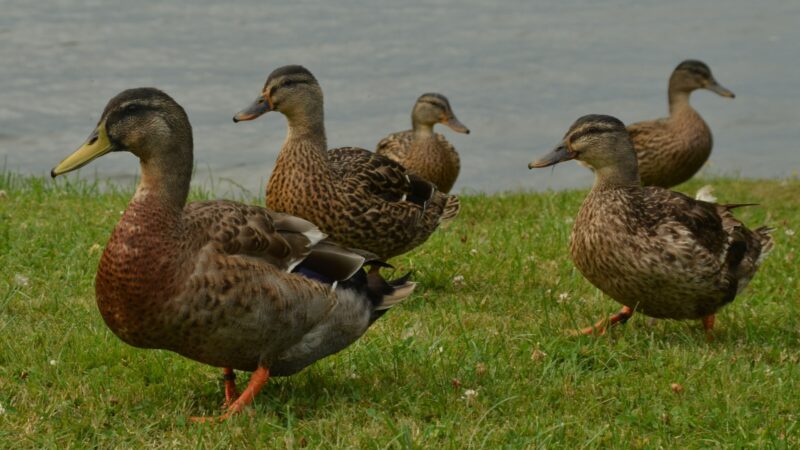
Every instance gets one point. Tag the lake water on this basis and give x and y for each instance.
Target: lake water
(516, 72)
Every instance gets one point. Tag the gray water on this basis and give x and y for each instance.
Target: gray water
(516, 72)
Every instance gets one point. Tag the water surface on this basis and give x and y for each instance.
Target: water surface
(516, 72)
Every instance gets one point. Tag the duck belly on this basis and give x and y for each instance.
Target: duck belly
(649, 275)
(347, 322)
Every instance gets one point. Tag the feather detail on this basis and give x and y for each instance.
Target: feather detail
(432, 158)
(663, 253)
(364, 201)
(670, 151)
(209, 279)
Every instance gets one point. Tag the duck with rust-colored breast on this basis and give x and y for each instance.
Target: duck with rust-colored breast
(223, 283)
(422, 151)
(653, 250)
(671, 150)
(358, 198)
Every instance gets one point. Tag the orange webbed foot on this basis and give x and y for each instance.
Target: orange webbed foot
(603, 325)
(257, 380)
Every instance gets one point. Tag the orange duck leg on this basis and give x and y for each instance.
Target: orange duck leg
(602, 326)
(257, 380)
(708, 326)
(231, 394)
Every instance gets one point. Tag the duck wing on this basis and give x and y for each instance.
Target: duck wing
(378, 175)
(395, 146)
(281, 240)
(694, 225)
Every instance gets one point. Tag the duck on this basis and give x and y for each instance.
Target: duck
(672, 149)
(358, 198)
(223, 283)
(422, 151)
(653, 250)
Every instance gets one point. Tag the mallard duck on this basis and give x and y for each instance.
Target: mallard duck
(655, 251)
(422, 151)
(223, 283)
(360, 199)
(671, 150)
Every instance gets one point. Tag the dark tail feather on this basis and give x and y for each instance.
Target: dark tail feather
(373, 263)
(730, 206)
(384, 294)
(421, 191)
(397, 282)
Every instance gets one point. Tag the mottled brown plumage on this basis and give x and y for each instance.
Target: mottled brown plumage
(653, 250)
(671, 150)
(211, 280)
(422, 151)
(360, 199)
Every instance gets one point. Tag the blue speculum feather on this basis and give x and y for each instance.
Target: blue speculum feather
(308, 273)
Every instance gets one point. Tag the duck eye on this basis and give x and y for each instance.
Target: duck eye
(132, 107)
(288, 83)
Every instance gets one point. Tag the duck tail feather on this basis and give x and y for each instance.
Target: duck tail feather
(385, 294)
(451, 208)
(730, 206)
(766, 240)
(399, 293)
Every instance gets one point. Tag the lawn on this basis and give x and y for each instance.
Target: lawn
(478, 357)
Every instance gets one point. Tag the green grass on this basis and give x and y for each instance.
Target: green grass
(482, 363)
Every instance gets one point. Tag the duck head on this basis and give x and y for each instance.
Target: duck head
(693, 74)
(290, 90)
(600, 142)
(138, 120)
(432, 108)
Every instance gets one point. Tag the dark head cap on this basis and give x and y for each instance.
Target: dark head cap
(142, 97)
(295, 72)
(434, 99)
(696, 67)
(594, 124)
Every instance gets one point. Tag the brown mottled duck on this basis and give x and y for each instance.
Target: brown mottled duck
(358, 198)
(422, 151)
(654, 251)
(223, 283)
(671, 150)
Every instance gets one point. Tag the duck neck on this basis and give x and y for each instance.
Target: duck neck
(305, 151)
(421, 130)
(144, 261)
(166, 176)
(678, 98)
(307, 125)
(622, 172)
